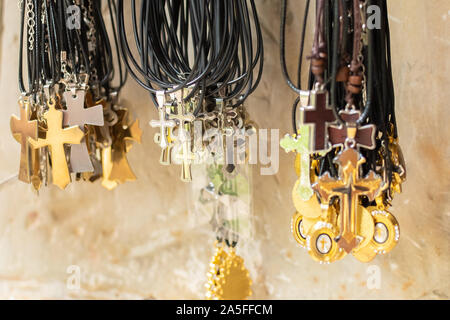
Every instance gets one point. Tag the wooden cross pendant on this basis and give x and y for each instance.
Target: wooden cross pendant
(55, 139)
(302, 145)
(318, 114)
(22, 129)
(352, 134)
(348, 188)
(163, 123)
(77, 115)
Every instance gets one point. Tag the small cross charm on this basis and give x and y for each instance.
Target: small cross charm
(186, 155)
(166, 153)
(182, 117)
(22, 129)
(55, 139)
(163, 123)
(352, 134)
(77, 115)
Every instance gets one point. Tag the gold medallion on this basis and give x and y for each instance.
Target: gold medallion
(321, 243)
(386, 231)
(228, 279)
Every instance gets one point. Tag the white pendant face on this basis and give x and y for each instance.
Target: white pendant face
(381, 233)
(323, 243)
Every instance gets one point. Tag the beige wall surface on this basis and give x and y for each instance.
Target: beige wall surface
(140, 241)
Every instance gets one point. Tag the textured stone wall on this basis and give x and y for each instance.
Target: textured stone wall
(141, 241)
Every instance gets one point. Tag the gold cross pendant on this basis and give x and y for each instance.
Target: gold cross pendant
(116, 168)
(22, 129)
(55, 139)
(348, 187)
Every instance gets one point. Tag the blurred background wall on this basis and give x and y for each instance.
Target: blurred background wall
(140, 241)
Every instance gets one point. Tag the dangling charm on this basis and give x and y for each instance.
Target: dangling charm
(228, 279)
(23, 128)
(55, 138)
(77, 115)
(124, 132)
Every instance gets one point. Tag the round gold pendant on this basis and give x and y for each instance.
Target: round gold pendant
(386, 231)
(228, 279)
(321, 243)
(300, 227)
(365, 229)
(234, 281)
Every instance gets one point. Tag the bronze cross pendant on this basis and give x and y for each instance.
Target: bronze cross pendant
(352, 134)
(348, 188)
(124, 133)
(22, 129)
(77, 115)
(319, 115)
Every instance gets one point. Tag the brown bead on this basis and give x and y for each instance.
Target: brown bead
(318, 62)
(317, 66)
(353, 89)
(355, 80)
(354, 84)
(343, 73)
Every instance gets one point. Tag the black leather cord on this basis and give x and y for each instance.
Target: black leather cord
(297, 88)
(220, 33)
(52, 36)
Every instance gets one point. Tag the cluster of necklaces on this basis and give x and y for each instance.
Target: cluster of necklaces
(70, 121)
(348, 160)
(199, 61)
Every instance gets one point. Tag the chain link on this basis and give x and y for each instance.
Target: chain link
(364, 39)
(92, 40)
(31, 24)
